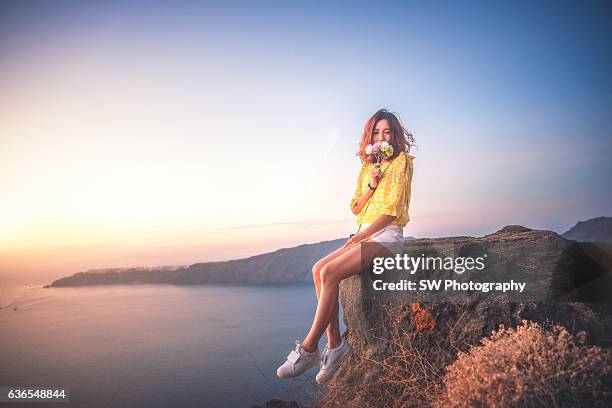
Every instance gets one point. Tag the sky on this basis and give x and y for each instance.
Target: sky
(168, 133)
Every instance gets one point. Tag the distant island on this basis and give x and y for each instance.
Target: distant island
(283, 266)
(597, 229)
(286, 265)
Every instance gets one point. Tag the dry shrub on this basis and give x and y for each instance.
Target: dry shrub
(423, 319)
(529, 367)
(408, 369)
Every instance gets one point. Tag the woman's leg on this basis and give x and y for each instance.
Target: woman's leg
(343, 266)
(333, 328)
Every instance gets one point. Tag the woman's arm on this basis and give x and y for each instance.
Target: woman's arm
(361, 201)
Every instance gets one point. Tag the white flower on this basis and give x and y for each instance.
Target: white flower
(384, 145)
(368, 149)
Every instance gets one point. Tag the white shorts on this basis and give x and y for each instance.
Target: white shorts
(391, 237)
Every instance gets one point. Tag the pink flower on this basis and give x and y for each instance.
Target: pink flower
(376, 147)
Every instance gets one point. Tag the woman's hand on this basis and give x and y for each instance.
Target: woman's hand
(375, 174)
(354, 240)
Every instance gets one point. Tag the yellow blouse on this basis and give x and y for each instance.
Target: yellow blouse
(392, 195)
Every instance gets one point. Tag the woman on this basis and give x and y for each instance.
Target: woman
(381, 203)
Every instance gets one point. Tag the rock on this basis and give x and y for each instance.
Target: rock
(571, 287)
(556, 270)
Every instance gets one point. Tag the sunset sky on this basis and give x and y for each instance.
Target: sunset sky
(167, 133)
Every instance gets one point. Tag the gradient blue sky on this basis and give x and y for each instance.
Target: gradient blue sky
(144, 133)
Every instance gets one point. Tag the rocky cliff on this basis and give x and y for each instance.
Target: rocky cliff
(571, 287)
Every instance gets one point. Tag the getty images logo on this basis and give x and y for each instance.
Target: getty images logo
(458, 264)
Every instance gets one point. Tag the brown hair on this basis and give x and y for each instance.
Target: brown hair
(401, 139)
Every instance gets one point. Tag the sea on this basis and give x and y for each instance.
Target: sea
(147, 345)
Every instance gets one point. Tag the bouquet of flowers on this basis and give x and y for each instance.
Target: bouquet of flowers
(379, 150)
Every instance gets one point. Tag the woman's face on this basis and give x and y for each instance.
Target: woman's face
(381, 132)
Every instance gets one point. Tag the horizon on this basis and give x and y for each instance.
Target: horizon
(133, 136)
(24, 283)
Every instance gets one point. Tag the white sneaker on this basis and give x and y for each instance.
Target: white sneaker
(332, 359)
(298, 362)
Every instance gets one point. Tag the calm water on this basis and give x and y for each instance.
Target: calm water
(157, 345)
